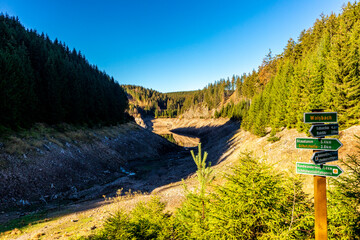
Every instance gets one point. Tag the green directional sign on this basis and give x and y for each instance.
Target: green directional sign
(319, 170)
(325, 156)
(320, 117)
(323, 130)
(331, 144)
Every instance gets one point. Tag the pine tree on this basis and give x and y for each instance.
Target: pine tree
(193, 215)
(258, 202)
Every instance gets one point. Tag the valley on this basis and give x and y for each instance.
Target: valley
(219, 150)
(158, 164)
(161, 175)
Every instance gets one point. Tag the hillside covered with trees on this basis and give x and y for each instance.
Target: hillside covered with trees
(44, 81)
(150, 102)
(319, 70)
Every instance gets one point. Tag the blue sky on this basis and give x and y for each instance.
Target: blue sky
(172, 45)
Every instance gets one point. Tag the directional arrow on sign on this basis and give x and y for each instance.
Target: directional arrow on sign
(325, 156)
(331, 144)
(324, 130)
(319, 170)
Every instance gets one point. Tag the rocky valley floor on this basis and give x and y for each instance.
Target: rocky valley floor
(160, 174)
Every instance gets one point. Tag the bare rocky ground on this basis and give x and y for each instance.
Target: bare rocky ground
(83, 169)
(149, 164)
(161, 175)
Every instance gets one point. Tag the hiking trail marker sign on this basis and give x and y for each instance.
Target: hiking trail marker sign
(320, 170)
(331, 144)
(324, 130)
(324, 157)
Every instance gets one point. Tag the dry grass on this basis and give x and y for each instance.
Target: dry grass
(282, 154)
(16, 145)
(19, 143)
(74, 222)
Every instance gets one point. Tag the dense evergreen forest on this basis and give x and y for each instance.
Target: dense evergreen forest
(44, 81)
(150, 102)
(319, 70)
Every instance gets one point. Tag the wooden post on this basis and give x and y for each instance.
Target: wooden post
(320, 203)
(320, 208)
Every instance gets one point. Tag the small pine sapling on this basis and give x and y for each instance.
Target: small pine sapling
(204, 175)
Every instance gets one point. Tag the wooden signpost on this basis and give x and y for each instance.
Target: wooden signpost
(319, 170)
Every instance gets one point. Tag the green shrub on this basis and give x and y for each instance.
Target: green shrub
(344, 201)
(192, 217)
(273, 139)
(146, 221)
(169, 137)
(258, 202)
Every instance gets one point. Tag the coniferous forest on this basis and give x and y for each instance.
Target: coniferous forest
(149, 102)
(44, 81)
(153, 103)
(319, 70)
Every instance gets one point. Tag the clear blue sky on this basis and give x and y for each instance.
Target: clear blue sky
(172, 45)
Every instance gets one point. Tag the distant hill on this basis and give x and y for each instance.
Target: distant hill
(44, 81)
(147, 102)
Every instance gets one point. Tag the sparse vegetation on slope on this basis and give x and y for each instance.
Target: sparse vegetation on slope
(343, 211)
(45, 165)
(256, 202)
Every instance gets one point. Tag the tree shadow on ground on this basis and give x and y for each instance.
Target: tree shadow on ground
(215, 140)
(151, 173)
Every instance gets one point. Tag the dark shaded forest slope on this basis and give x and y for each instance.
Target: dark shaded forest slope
(44, 81)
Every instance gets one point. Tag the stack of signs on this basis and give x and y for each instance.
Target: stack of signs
(328, 146)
